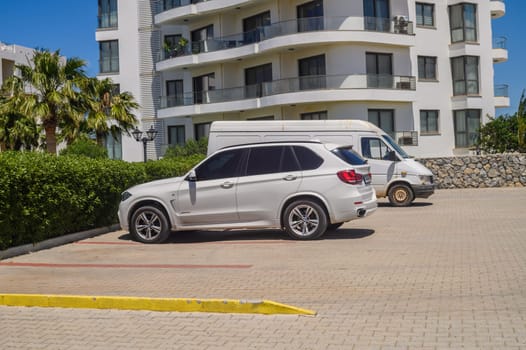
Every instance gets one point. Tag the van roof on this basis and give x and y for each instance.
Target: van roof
(294, 125)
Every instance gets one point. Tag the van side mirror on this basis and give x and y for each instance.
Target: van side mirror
(391, 156)
(191, 176)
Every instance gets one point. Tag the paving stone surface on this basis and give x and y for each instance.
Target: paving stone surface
(447, 273)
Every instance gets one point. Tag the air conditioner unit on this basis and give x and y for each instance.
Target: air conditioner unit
(401, 24)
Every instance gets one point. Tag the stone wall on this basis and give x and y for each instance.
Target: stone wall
(496, 170)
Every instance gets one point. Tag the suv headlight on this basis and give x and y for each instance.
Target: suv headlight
(125, 195)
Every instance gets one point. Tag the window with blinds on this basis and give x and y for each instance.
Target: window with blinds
(425, 14)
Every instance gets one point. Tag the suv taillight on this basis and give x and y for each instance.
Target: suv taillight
(350, 177)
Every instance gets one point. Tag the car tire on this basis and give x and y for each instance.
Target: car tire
(334, 227)
(304, 220)
(400, 195)
(149, 224)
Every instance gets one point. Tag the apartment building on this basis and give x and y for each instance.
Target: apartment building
(10, 56)
(421, 70)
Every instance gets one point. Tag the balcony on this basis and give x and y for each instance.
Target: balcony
(288, 34)
(176, 12)
(497, 8)
(107, 21)
(308, 89)
(502, 97)
(500, 52)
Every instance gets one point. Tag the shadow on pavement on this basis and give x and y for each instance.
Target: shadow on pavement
(182, 237)
(414, 205)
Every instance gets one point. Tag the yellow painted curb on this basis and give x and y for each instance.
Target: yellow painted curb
(152, 304)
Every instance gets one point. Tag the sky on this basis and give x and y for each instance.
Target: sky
(70, 25)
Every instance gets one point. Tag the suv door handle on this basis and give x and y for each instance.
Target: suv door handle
(290, 178)
(227, 184)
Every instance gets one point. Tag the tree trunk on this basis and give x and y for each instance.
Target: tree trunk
(51, 137)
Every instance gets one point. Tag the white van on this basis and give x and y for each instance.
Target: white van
(394, 173)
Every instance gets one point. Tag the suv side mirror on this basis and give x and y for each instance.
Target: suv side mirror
(191, 176)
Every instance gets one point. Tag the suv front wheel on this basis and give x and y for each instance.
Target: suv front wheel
(149, 225)
(305, 219)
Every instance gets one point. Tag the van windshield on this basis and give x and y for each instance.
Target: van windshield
(395, 146)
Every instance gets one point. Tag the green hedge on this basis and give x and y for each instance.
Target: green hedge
(44, 196)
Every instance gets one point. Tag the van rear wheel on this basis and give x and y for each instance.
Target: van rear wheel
(400, 195)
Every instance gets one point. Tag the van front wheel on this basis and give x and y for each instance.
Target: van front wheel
(400, 195)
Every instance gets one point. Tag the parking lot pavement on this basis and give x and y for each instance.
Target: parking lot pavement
(447, 273)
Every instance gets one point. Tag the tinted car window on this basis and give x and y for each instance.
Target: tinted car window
(219, 166)
(264, 160)
(350, 156)
(289, 161)
(308, 159)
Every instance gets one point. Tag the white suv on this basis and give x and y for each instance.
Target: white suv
(304, 187)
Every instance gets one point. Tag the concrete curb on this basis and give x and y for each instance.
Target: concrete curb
(265, 307)
(54, 242)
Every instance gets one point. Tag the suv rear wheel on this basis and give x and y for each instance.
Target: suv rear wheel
(149, 225)
(305, 219)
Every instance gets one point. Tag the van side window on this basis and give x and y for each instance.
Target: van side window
(374, 148)
(308, 159)
(222, 165)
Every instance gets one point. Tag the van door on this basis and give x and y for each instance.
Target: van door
(382, 160)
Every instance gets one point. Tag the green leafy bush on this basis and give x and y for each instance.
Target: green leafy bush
(190, 148)
(44, 196)
(87, 148)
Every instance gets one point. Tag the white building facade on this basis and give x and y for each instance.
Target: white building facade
(12, 55)
(421, 70)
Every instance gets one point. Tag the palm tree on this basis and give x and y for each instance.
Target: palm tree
(47, 91)
(18, 132)
(108, 111)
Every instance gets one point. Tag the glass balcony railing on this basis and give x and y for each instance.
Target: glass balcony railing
(109, 65)
(294, 26)
(290, 85)
(170, 4)
(501, 90)
(500, 42)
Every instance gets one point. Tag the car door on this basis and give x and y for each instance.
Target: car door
(210, 198)
(272, 173)
(380, 158)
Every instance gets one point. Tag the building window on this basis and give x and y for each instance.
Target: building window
(465, 71)
(109, 56)
(310, 16)
(376, 15)
(201, 86)
(176, 135)
(174, 93)
(321, 115)
(201, 130)
(425, 14)
(113, 144)
(427, 67)
(312, 72)
(199, 38)
(467, 125)
(253, 26)
(429, 122)
(382, 118)
(108, 15)
(255, 77)
(379, 69)
(463, 20)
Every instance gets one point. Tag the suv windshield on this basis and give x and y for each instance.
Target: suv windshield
(348, 155)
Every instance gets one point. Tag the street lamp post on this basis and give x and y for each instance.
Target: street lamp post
(149, 136)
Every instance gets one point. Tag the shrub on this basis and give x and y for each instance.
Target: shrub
(190, 148)
(44, 196)
(87, 148)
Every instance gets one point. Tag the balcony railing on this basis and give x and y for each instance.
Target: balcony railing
(501, 90)
(290, 85)
(109, 65)
(500, 42)
(289, 27)
(108, 20)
